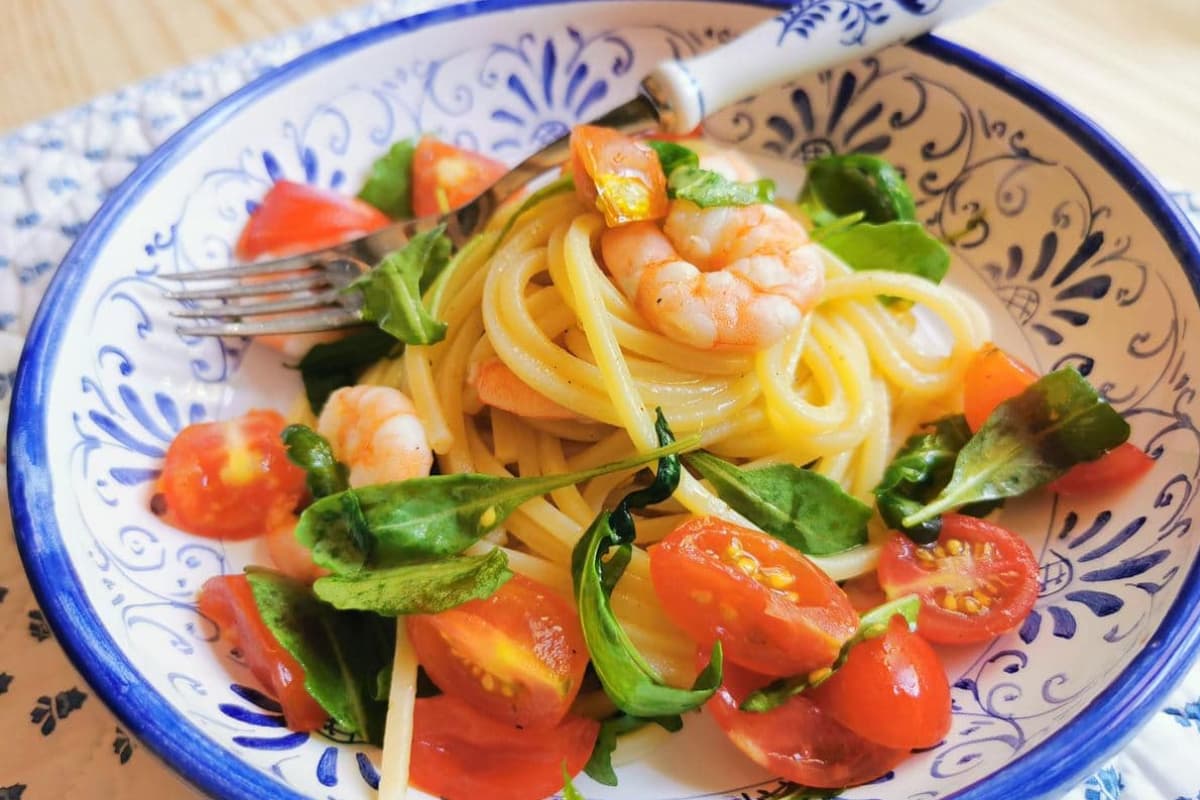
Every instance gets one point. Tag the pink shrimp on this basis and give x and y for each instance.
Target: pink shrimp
(375, 431)
(290, 556)
(499, 387)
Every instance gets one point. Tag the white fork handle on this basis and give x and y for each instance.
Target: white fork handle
(809, 36)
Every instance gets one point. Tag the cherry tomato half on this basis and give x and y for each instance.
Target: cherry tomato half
(891, 690)
(977, 581)
(1116, 469)
(774, 610)
(229, 602)
(798, 741)
(460, 754)
(296, 218)
(618, 175)
(230, 480)
(992, 377)
(517, 656)
(446, 177)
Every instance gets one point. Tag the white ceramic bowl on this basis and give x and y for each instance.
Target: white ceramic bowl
(1080, 259)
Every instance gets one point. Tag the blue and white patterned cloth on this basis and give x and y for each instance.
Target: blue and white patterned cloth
(59, 741)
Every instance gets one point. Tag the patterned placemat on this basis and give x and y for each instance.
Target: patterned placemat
(58, 740)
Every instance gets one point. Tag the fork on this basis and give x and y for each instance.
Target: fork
(304, 293)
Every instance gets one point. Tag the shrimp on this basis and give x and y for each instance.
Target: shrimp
(730, 277)
(499, 387)
(375, 431)
(290, 556)
(724, 161)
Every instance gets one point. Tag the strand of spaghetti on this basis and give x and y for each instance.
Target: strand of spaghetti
(505, 436)
(568, 499)
(872, 456)
(398, 727)
(451, 376)
(891, 361)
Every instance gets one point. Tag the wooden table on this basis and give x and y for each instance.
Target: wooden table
(1134, 67)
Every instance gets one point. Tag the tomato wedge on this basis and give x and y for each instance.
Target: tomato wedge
(296, 218)
(1116, 469)
(229, 602)
(891, 690)
(799, 741)
(992, 377)
(774, 611)
(619, 176)
(517, 656)
(445, 177)
(460, 754)
(229, 480)
(977, 581)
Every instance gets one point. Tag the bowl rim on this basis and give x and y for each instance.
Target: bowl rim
(1102, 726)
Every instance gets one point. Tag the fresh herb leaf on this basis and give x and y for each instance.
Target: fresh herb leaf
(392, 290)
(308, 450)
(844, 184)
(342, 652)
(599, 766)
(870, 625)
(569, 792)
(328, 367)
(389, 183)
(707, 189)
(1029, 440)
(801, 507)
(426, 518)
(673, 155)
(561, 186)
(904, 247)
(426, 588)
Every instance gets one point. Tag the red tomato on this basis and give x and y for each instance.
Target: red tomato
(798, 741)
(891, 690)
(992, 377)
(296, 218)
(618, 175)
(517, 656)
(230, 480)
(864, 592)
(228, 601)
(979, 580)
(1116, 469)
(774, 611)
(445, 177)
(460, 754)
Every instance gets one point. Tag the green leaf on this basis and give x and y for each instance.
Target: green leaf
(417, 588)
(599, 765)
(308, 450)
(1028, 441)
(561, 186)
(870, 625)
(904, 247)
(844, 184)
(801, 507)
(328, 367)
(392, 290)
(389, 183)
(342, 652)
(673, 155)
(569, 792)
(707, 189)
(427, 518)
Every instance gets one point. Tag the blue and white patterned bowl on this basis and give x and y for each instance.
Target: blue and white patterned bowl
(1079, 257)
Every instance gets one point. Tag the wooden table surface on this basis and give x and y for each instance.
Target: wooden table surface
(1134, 67)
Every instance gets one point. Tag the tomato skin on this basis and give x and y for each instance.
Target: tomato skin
(229, 602)
(617, 175)
(296, 218)
(232, 479)
(784, 631)
(992, 377)
(517, 656)
(460, 754)
(990, 555)
(1116, 469)
(892, 690)
(799, 741)
(445, 177)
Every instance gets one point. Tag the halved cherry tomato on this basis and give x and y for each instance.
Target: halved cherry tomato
(798, 741)
(891, 690)
(864, 592)
(977, 581)
(229, 602)
(992, 377)
(774, 610)
(1116, 469)
(517, 656)
(445, 177)
(618, 175)
(230, 480)
(296, 218)
(460, 754)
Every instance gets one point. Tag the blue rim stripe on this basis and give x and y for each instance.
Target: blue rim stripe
(1102, 727)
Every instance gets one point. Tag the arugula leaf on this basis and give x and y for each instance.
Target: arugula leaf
(561, 186)
(328, 367)
(801, 507)
(569, 792)
(672, 155)
(843, 184)
(1028, 441)
(342, 652)
(308, 450)
(707, 189)
(870, 625)
(425, 518)
(425, 588)
(392, 290)
(904, 247)
(389, 183)
(599, 765)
